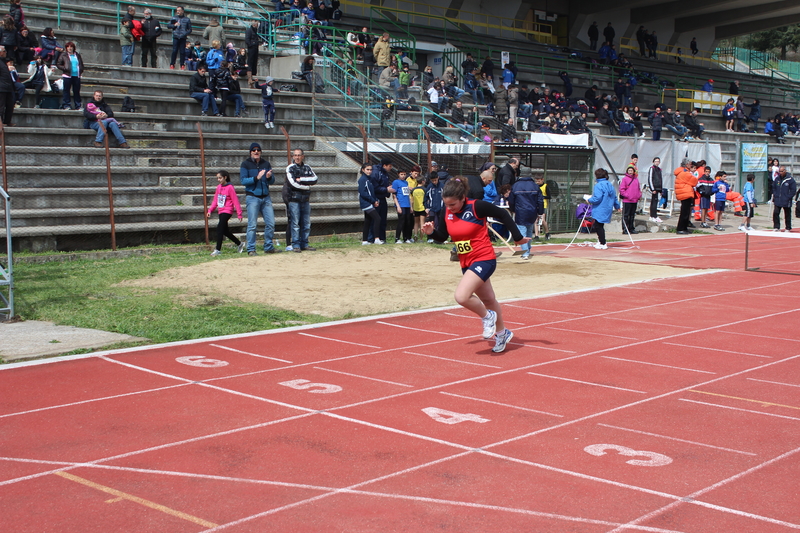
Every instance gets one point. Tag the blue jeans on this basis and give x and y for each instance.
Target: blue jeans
(111, 125)
(239, 101)
(656, 135)
(527, 231)
(178, 51)
(477, 95)
(679, 130)
(299, 214)
(19, 90)
(256, 206)
(127, 55)
(456, 92)
(75, 83)
(205, 100)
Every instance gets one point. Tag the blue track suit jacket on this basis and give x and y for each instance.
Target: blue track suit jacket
(526, 201)
(604, 201)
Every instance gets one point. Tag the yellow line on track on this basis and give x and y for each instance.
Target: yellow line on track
(136, 499)
(765, 404)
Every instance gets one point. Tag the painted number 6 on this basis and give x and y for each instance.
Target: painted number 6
(653, 458)
(201, 361)
(304, 384)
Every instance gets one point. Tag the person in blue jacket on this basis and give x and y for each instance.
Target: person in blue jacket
(256, 176)
(604, 201)
(527, 203)
(381, 182)
(368, 204)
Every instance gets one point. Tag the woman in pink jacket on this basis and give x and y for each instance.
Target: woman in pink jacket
(225, 200)
(629, 192)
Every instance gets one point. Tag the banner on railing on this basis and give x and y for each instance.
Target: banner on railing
(754, 157)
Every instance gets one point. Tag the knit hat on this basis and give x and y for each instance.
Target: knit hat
(434, 164)
(269, 79)
(254, 146)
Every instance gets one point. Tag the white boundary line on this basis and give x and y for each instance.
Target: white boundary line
(775, 382)
(676, 439)
(762, 336)
(732, 352)
(473, 317)
(338, 340)
(593, 333)
(586, 383)
(499, 403)
(249, 353)
(416, 329)
(452, 360)
(363, 377)
(657, 364)
(738, 409)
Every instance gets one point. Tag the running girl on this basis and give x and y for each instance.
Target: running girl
(465, 223)
(225, 200)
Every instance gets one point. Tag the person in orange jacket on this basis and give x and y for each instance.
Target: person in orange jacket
(685, 183)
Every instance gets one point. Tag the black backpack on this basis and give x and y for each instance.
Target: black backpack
(128, 105)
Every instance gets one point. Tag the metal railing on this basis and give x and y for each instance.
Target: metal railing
(7, 271)
(703, 57)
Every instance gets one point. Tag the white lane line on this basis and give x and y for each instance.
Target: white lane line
(704, 348)
(660, 324)
(738, 409)
(656, 364)
(35, 461)
(760, 336)
(143, 369)
(774, 382)
(544, 310)
(93, 400)
(418, 330)
(692, 499)
(587, 383)
(452, 360)
(338, 340)
(593, 333)
(676, 439)
(473, 317)
(249, 353)
(499, 403)
(363, 377)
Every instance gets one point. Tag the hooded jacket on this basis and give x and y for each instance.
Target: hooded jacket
(685, 183)
(783, 191)
(604, 201)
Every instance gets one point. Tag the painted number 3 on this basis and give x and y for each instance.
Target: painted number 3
(653, 458)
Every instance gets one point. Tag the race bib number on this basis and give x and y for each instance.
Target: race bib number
(463, 247)
(405, 191)
(221, 200)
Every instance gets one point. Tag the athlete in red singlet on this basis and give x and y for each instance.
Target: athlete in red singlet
(466, 225)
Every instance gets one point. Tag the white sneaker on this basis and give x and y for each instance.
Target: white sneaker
(502, 339)
(742, 227)
(240, 248)
(410, 241)
(215, 253)
(365, 243)
(642, 135)
(398, 241)
(378, 241)
(652, 219)
(266, 125)
(489, 324)
(601, 246)
(749, 228)
(659, 220)
(271, 125)
(430, 241)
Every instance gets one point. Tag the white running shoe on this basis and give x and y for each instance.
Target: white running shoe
(289, 248)
(378, 241)
(410, 241)
(749, 228)
(652, 219)
(215, 253)
(271, 125)
(601, 246)
(502, 339)
(489, 324)
(266, 125)
(658, 219)
(742, 227)
(365, 243)
(240, 248)
(398, 241)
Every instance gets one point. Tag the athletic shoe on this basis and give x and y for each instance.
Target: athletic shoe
(489, 324)
(547, 236)
(398, 241)
(240, 248)
(454, 256)
(289, 248)
(719, 228)
(378, 241)
(309, 249)
(298, 250)
(365, 243)
(266, 125)
(215, 253)
(683, 232)
(252, 254)
(749, 228)
(704, 225)
(501, 340)
(536, 238)
(410, 241)
(601, 246)
(651, 219)
(691, 225)
(273, 251)
(658, 219)
(430, 241)
(526, 256)
(742, 227)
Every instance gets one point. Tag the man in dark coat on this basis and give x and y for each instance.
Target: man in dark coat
(609, 33)
(251, 41)
(152, 29)
(6, 90)
(594, 35)
(508, 174)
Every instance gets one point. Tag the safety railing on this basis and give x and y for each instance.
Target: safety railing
(7, 271)
(706, 102)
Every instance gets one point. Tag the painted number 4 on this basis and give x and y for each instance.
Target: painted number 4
(652, 458)
(449, 417)
(318, 388)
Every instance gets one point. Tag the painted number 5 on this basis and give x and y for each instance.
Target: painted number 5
(449, 417)
(304, 384)
(653, 458)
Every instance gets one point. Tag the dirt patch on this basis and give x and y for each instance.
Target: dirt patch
(374, 280)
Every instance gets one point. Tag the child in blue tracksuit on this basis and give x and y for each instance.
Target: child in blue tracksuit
(402, 201)
(720, 190)
(267, 101)
(749, 194)
(604, 201)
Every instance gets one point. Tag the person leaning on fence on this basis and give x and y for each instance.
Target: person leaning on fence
(106, 116)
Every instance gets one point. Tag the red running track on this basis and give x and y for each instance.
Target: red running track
(669, 405)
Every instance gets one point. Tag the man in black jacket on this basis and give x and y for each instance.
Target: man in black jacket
(251, 41)
(198, 89)
(106, 116)
(609, 33)
(594, 35)
(152, 29)
(603, 116)
(695, 128)
(6, 90)
(468, 65)
(296, 195)
(508, 174)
